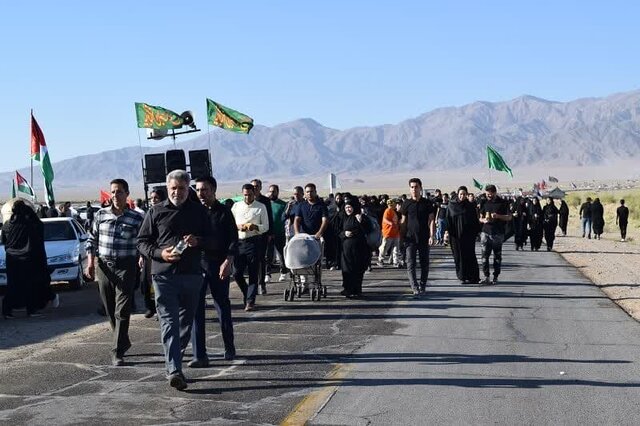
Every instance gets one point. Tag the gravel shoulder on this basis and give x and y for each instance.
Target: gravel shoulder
(610, 264)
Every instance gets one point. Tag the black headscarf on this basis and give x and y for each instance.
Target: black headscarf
(23, 233)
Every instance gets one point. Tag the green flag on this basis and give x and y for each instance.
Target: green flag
(155, 117)
(227, 118)
(478, 184)
(23, 185)
(497, 162)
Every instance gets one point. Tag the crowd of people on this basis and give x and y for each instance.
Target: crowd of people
(189, 242)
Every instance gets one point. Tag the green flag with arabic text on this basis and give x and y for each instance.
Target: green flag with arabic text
(155, 117)
(227, 118)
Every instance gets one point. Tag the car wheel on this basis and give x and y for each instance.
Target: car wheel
(79, 282)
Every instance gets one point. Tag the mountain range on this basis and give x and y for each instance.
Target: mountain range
(526, 131)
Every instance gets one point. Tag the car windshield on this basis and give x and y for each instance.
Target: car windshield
(58, 231)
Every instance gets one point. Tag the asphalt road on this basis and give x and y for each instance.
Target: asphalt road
(543, 346)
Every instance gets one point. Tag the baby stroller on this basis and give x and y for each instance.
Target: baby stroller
(303, 257)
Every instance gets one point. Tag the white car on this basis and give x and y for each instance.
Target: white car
(64, 240)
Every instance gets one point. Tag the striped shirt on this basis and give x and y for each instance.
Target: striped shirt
(114, 236)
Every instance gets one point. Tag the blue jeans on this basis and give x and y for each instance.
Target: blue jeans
(586, 226)
(220, 292)
(442, 223)
(176, 303)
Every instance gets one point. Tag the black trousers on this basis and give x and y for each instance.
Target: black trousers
(250, 254)
(412, 251)
(623, 230)
(276, 245)
(220, 293)
(491, 243)
(116, 281)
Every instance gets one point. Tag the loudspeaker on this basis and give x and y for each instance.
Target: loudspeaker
(200, 163)
(155, 170)
(175, 160)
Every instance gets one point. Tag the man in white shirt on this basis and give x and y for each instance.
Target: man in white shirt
(252, 221)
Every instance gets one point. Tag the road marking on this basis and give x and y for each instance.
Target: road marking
(315, 401)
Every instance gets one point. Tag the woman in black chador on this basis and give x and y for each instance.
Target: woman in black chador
(597, 218)
(355, 250)
(564, 217)
(535, 224)
(464, 226)
(520, 222)
(28, 279)
(550, 222)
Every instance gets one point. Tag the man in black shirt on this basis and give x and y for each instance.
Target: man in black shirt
(494, 212)
(622, 219)
(177, 273)
(441, 216)
(216, 267)
(417, 228)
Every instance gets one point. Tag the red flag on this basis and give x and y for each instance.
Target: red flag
(105, 197)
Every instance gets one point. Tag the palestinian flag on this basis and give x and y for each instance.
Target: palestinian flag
(23, 186)
(40, 153)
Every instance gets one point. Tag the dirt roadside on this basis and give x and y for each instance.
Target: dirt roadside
(612, 265)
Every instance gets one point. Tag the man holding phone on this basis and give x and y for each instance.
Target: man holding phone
(172, 235)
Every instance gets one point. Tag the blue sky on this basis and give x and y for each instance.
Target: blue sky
(81, 66)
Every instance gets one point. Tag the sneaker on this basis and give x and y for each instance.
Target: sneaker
(8, 316)
(494, 281)
(333, 268)
(198, 363)
(486, 281)
(250, 307)
(149, 313)
(55, 302)
(263, 289)
(117, 360)
(283, 277)
(622, 240)
(380, 263)
(177, 381)
(35, 315)
(415, 291)
(267, 278)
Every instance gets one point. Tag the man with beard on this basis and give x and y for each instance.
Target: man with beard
(172, 235)
(464, 226)
(112, 241)
(216, 267)
(494, 212)
(418, 224)
(550, 222)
